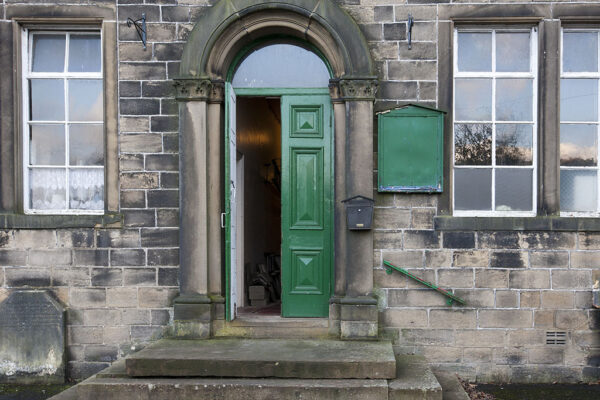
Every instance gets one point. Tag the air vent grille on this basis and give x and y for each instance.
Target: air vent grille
(556, 337)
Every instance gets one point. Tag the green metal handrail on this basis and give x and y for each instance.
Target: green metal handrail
(430, 285)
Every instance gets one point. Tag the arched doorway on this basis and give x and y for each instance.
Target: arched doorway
(279, 182)
(218, 38)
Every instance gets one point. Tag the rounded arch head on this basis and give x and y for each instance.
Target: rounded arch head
(230, 26)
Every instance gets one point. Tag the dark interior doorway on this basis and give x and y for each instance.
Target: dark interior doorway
(259, 205)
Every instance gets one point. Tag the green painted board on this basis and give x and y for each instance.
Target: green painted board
(410, 153)
(306, 206)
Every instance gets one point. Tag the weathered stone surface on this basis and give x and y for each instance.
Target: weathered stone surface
(32, 338)
(324, 359)
(414, 380)
(117, 388)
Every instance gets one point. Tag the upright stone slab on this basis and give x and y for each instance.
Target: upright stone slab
(32, 341)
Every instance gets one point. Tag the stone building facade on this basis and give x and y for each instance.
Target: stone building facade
(119, 273)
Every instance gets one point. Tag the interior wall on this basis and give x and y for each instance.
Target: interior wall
(259, 140)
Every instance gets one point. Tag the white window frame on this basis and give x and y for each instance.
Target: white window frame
(533, 74)
(582, 75)
(26, 62)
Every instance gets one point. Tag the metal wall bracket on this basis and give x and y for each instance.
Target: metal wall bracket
(409, 26)
(140, 27)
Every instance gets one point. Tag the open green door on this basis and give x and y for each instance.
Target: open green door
(306, 205)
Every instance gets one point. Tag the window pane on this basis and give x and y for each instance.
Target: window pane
(474, 51)
(84, 53)
(578, 190)
(47, 145)
(281, 65)
(580, 52)
(514, 144)
(85, 100)
(473, 189)
(47, 99)
(514, 189)
(47, 189)
(473, 99)
(578, 145)
(512, 52)
(86, 189)
(514, 99)
(48, 53)
(86, 144)
(472, 144)
(578, 99)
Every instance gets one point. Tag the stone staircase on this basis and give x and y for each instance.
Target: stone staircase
(261, 369)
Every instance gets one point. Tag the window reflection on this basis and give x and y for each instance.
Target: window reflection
(514, 144)
(473, 144)
(578, 145)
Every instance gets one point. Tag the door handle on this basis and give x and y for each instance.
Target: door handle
(222, 220)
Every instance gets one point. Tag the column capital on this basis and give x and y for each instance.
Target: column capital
(357, 88)
(192, 89)
(335, 91)
(217, 92)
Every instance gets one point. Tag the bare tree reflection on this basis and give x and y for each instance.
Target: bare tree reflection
(473, 144)
(512, 148)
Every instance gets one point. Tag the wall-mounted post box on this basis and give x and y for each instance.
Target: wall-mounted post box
(359, 213)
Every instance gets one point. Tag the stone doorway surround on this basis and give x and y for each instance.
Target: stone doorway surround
(217, 38)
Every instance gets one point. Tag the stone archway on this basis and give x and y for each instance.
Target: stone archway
(217, 38)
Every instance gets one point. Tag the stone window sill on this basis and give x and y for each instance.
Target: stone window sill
(449, 223)
(27, 221)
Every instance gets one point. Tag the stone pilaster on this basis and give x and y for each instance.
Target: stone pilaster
(358, 307)
(193, 309)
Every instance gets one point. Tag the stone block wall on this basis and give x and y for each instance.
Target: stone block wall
(518, 286)
(118, 284)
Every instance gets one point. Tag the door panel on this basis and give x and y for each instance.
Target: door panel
(306, 188)
(307, 272)
(306, 208)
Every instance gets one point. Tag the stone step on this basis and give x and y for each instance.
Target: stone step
(266, 327)
(451, 386)
(264, 358)
(97, 388)
(414, 380)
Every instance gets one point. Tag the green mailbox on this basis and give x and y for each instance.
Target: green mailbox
(411, 148)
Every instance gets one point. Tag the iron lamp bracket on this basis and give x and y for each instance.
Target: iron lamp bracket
(140, 27)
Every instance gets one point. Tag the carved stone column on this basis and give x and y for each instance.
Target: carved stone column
(215, 193)
(192, 309)
(358, 310)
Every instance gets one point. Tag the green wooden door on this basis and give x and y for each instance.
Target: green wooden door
(306, 205)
